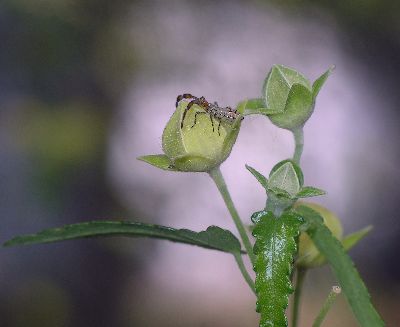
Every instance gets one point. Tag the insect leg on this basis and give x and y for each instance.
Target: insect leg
(191, 103)
(219, 125)
(212, 122)
(195, 117)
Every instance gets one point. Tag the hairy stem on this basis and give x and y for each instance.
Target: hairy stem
(243, 270)
(300, 276)
(218, 179)
(327, 305)
(299, 141)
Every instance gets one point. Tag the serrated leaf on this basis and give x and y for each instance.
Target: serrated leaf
(158, 160)
(274, 249)
(352, 239)
(319, 82)
(278, 84)
(309, 191)
(213, 238)
(260, 177)
(343, 267)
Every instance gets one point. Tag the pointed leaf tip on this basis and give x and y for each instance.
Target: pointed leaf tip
(158, 160)
(260, 177)
(309, 191)
(320, 81)
(349, 241)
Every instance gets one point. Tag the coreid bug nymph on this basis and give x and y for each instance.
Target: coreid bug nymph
(221, 114)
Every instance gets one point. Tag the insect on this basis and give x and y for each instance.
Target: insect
(221, 114)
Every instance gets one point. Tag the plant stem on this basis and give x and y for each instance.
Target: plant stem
(299, 141)
(218, 179)
(327, 305)
(243, 270)
(300, 276)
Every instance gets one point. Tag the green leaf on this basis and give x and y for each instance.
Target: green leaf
(159, 160)
(347, 275)
(280, 193)
(255, 107)
(278, 84)
(352, 239)
(319, 82)
(260, 177)
(309, 191)
(261, 111)
(213, 238)
(253, 103)
(274, 249)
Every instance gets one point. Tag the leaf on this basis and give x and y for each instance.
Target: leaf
(348, 242)
(343, 267)
(213, 238)
(261, 111)
(274, 249)
(309, 191)
(319, 82)
(352, 239)
(158, 160)
(260, 177)
(253, 103)
(280, 193)
(278, 84)
(255, 107)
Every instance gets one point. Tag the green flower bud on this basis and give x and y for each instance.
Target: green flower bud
(202, 144)
(285, 182)
(309, 255)
(289, 98)
(286, 177)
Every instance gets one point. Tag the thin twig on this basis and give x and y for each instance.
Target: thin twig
(327, 305)
(300, 276)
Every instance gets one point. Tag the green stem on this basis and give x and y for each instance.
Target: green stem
(243, 270)
(218, 179)
(299, 141)
(327, 305)
(300, 276)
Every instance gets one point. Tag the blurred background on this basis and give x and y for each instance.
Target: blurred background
(87, 86)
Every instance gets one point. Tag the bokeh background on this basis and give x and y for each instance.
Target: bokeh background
(87, 86)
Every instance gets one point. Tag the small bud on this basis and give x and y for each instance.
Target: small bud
(285, 181)
(198, 146)
(286, 177)
(289, 98)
